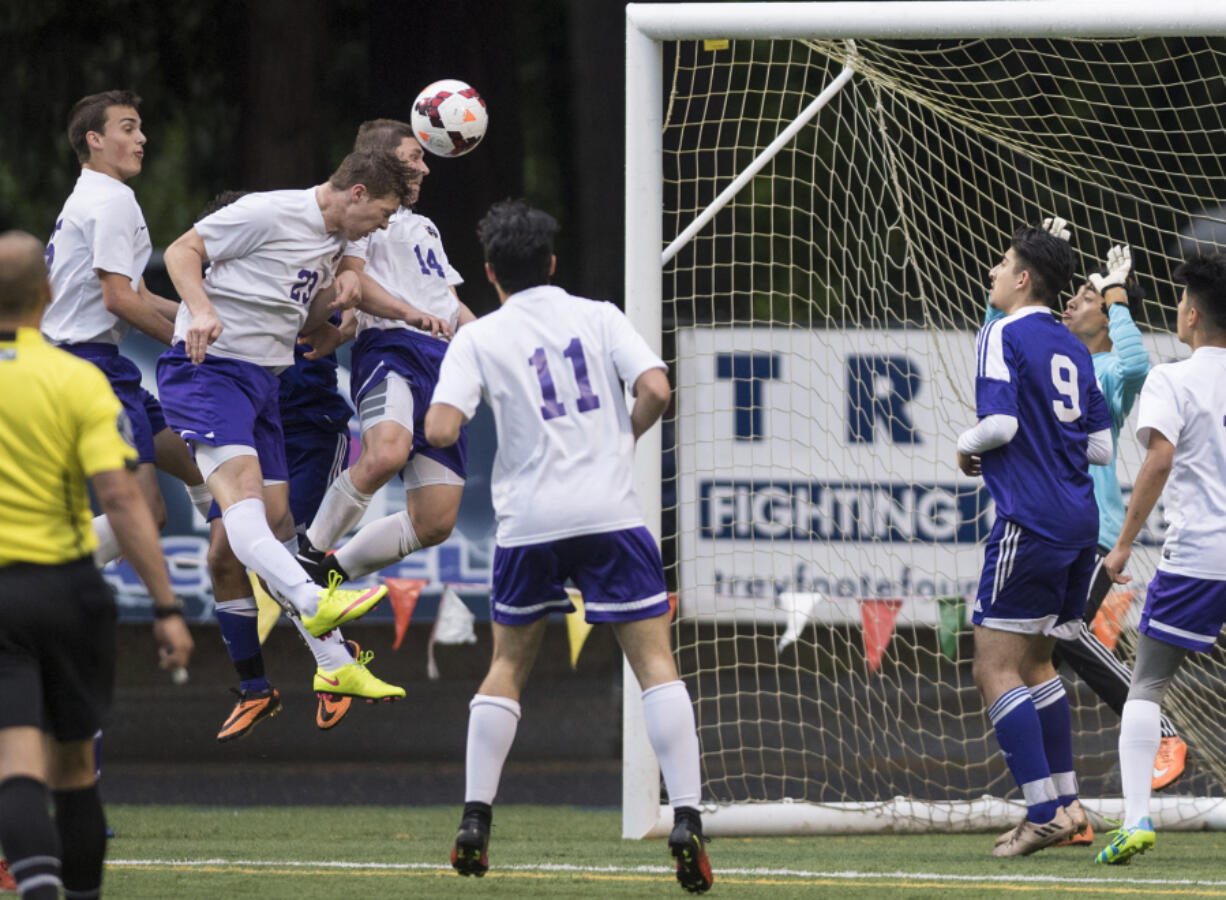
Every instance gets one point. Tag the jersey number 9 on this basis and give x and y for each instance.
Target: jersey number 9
(1064, 380)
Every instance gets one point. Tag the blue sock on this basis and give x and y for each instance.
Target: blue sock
(1021, 741)
(241, 632)
(1056, 720)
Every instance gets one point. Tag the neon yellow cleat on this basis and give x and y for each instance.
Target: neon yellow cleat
(1127, 843)
(338, 606)
(355, 680)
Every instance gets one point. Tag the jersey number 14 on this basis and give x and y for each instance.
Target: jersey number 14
(553, 407)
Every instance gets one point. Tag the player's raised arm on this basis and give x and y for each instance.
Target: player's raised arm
(185, 260)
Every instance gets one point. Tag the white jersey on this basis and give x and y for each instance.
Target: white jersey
(408, 261)
(551, 366)
(1185, 402)
(101, 227)
(269, 255)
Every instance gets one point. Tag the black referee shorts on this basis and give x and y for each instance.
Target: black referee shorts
(57, 648)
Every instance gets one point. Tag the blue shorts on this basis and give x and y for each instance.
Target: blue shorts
(415, 358)
(1184, 611)
(315, 458)
(1029, 586)
(222, 402)
(142, 408)
(619, 573)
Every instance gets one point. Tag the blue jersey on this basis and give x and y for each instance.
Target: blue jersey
(1031, 367)
(309, 398)
(1121, 374)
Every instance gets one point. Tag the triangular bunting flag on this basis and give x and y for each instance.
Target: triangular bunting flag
(269, 610)
(577, 628)
(455, 620)
(453, 625)
(951, 617)
(878, 618)
(403, 592)
(799, 607)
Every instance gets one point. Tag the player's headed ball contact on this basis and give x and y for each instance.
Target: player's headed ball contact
(449, 118)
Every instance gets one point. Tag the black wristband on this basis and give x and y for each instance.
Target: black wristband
(165, 612)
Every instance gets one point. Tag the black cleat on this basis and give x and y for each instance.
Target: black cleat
(689, 848)
(468, 855)
(318, 564)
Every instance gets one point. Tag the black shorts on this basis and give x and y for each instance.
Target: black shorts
(57, 648)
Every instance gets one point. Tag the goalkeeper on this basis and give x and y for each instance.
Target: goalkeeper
(1100, 317)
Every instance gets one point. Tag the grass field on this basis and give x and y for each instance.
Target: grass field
(305, 853)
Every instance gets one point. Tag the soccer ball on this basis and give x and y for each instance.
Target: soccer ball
(449, 118)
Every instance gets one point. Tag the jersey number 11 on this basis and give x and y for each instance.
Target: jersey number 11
(553, 407)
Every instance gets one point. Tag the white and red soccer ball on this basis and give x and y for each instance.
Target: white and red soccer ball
(449, 118)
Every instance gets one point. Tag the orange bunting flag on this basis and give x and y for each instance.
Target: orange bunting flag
(577, 627)
(403, 592)
(672, 605)
(878, 618)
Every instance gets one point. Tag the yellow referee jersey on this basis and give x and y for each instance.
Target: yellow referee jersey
(60, 423)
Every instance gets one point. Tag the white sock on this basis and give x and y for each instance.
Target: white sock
(339, 511)
(669, 718)
(329, 651)
(383, 542)
(108, 544)
(258, 549)
(1139, 741)
(491, 731)
(201, 497)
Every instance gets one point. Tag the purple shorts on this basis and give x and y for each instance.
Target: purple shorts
(1184, 611)
(142, 408)
(415, 358)
(1030, 586)
(224, 401)
(619, 573)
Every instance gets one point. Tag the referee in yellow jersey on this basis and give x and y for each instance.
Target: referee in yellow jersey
(59, 425)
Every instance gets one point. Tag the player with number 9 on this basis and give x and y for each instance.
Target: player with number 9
(1042, 421)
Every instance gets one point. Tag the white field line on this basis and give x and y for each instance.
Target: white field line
(761, 872)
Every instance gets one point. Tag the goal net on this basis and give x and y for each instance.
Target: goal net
(811, 215)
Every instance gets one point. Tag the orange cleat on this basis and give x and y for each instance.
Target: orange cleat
(1170, 761)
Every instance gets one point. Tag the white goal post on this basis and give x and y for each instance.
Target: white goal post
(866, 131)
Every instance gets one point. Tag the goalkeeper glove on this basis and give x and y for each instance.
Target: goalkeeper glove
(1057, 227)
(1115, 274)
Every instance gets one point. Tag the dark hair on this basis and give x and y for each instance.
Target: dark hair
(1047, 258)
(89, 114)
(23, 272)
(382, 134)
(381, 171)
(222, 200)
(1205, 279)
(518, 244)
